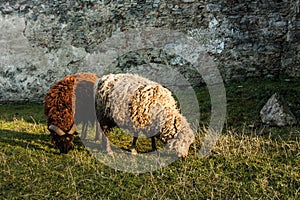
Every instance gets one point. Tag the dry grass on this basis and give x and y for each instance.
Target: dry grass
(245, 163)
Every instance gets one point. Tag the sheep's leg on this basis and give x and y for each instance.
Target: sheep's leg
(105, 142)
(153, 144)
(97, 136)
(133, 146)
(84, 130)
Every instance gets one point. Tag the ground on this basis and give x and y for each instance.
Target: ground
(249, 161)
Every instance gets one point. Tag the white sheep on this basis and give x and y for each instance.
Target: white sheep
(137, 105)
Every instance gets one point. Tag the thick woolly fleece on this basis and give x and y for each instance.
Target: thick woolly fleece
(59, 104)
(139, 105)
(72, 93)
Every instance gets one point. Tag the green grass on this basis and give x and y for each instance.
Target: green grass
(246, 162)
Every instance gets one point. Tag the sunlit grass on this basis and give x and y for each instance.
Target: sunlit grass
(246, 162)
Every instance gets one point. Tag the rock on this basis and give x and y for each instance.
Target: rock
(276, 113)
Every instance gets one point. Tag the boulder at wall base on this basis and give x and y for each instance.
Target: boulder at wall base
(276, 113)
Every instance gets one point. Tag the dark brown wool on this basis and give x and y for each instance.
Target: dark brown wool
(59, 104)
(70, 99)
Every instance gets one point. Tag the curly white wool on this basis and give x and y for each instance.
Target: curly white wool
(139, 105)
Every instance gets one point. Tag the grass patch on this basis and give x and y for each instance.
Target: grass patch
(246, 163)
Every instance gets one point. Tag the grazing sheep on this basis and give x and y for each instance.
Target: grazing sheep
(139, 105)
(72, 93)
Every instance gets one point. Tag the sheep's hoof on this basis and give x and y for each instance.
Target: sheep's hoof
(183, 155)
(133, 151)
(110, 153)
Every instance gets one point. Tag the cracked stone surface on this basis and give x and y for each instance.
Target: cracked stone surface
(42, 41)
(26, 72)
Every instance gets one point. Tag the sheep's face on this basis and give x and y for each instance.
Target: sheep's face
(181, 143)
(64, 143)
(61, 139)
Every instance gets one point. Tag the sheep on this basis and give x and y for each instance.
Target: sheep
(72, 93)
(137, 104)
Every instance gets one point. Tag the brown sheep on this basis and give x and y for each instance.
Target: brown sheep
(72, 93)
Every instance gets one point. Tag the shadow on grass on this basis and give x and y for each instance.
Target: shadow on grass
(29, 112)
(32, 141)
(24, 140)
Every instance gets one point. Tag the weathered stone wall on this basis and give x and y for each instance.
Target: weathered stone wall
(41, 41)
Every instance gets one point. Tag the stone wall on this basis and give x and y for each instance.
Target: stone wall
(41, 41)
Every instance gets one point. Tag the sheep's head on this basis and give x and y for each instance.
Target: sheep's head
(182, 141)
(62, 140)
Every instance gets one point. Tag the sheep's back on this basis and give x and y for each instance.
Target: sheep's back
(71, 95)
(59, 103)
(135, 103)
